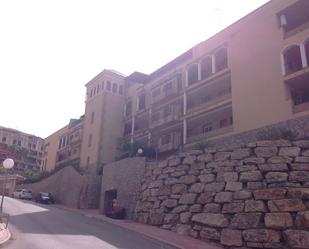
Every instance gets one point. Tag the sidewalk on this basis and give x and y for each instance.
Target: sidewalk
(165, 236)
(5, 234)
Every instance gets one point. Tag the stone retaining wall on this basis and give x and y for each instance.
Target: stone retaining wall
(255, 196)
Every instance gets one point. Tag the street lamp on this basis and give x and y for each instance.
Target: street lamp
(139, 151)
(7, 164)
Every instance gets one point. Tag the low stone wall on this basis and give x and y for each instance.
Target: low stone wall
(254, 196)
(66, 186)
(125, 177)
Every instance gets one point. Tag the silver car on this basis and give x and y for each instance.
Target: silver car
(23, 194)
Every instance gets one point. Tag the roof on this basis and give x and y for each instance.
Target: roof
(138, 77)
(172, 64)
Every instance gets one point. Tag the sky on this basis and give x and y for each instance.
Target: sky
(50, 49)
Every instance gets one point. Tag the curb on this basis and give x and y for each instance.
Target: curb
(5, 234)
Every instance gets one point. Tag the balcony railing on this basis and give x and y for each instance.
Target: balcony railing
(204, 136)
(164, 120)
(301, 107)
(208, 104)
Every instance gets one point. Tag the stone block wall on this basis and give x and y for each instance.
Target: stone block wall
(124, 176)
(254, 196)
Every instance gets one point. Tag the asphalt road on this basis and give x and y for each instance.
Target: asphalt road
(36, 226)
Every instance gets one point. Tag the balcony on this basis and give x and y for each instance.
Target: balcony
(167, 114)
(168, 90)
(170, 141)
(203, 136)
(299, 92)
(209, 96)
(209, 125)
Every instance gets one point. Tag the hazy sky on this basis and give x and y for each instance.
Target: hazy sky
(50, 49)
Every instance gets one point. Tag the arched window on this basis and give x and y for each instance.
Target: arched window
(206, 67)
(115, 88)
(221, 59)
(292, 59)
(108, 85)
(307, 51)
(120, 90)
(192, 74)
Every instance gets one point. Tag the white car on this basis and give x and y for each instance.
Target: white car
(23, 194)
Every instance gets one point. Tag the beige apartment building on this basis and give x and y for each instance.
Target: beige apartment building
(24, 148)
(250, 77)
(63, 147)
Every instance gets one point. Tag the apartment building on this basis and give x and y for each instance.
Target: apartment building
(251, 75)
(25, 149)
(63, 147)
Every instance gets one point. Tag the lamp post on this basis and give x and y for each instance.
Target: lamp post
(7, 164)
(139, 151)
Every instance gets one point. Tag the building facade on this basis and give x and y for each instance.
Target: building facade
(64, 146)
(25, 149)
(251, 75)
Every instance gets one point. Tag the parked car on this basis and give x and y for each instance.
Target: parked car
(23, 194)
(45, 197)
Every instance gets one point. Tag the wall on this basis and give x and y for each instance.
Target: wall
(253, 196)
(124, 176)
(67, 186)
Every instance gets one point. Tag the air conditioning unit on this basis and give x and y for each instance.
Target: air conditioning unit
(283, 20)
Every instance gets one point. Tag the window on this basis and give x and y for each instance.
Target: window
(307, 51)
(155, 92)
(14, 141)
(206, 67)
(120, 90)
(4, 139)
(294, 16)
(166, 139)
(129, 108)
(167, 111)
(300, 91)
(76, 134)
(108, 85)
(193, 74)
(91, 93)
(223, 123)
(141, 102)
(221, 59)
(127, 129)
(168, 89)
(292, 59)
(103, 85)
(207, 128)
(19, 143)
(98, 88)
(63, 142)
(155, 116)
(115, 88)
(90, 140)
(231, 120)
(88, 161)
(92, 117)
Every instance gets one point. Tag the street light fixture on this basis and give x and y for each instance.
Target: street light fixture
(140, 151)
(7, 164)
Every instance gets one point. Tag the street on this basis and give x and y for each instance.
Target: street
(36, 226)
